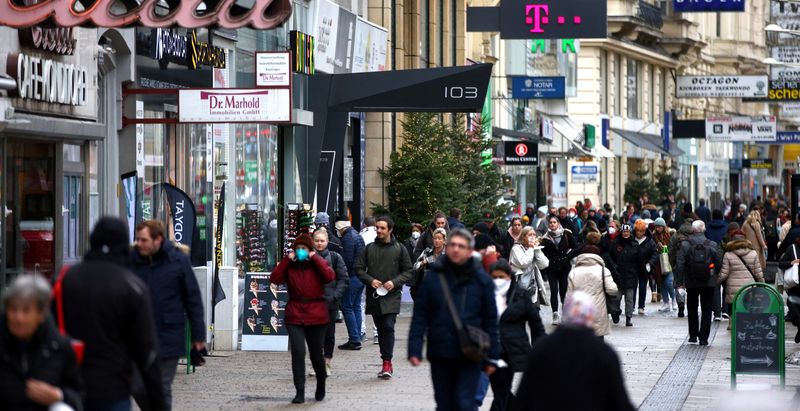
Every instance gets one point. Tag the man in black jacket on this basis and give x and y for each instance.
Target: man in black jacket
(109, 309)
(699, 277)
(175, 294)
(703, 212)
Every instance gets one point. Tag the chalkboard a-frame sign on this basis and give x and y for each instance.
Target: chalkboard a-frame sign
(757, 333)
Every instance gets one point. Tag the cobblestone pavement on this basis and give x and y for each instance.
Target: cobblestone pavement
(260, 381)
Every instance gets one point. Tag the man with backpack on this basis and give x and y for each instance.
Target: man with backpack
(696, 271)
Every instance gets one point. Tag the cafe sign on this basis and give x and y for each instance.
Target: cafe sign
(51, 81)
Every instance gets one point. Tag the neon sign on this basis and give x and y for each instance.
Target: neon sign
(541, 19)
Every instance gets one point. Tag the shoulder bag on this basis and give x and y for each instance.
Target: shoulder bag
(747, 266)
(78, 346)
(611, 306)
(791, 276)
(475, 342)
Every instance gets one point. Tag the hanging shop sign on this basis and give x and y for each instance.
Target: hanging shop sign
(784, 73)
(58, 40)
(547, 129)
(757, 163)
(786, 54)
(784, 90)
(547, 19)
(705, 169)
(537, 87)
(346, 43)
(730, 129)
(262, 15)
(273, 69)
(683, 6)
(788, 137)
(757, 332)
(785, 14)
(234, 105)
(790, 109)
(585, 173)
(169, 46)
(301, 47)
(721, 86)
(521, 153)
(51, 81)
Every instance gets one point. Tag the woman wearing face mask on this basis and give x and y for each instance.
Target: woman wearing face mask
(416, 232)
(428, 257)
(515, 310)
(527, 263)
(626, 255)
(305, 274)
(558, 244)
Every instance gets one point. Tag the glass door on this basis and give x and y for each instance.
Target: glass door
(71, 211)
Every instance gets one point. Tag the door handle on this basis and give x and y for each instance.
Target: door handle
(64, 210)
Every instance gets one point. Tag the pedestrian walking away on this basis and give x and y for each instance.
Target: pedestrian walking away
(675, 244)
(649, 255)
(754, 231)
(175, 294)
(740, 266)
(352, 247)
(591, 276)
(334, 291)
(38, 368)
(558, 244)
(696, 271)
(305, 274)
(471, 293)
(663, 269)
(592, 380)
(384, 267)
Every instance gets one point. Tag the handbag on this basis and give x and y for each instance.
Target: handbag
(666, 267)
(475, 342)
(542, 297)
(78, 347)
(791, 276)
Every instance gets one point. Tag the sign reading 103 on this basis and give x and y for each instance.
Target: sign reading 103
(460, 92)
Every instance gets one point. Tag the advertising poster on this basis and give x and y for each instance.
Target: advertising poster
(756, 129)
(345, 40)
(325, 31)
(721, 86)
(369, 50)
(264, 305)
(273, 69)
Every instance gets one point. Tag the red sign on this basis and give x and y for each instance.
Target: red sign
(263, 15)
(521, 150)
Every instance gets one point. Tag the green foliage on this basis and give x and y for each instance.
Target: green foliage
(666, 182)
(437, 168)
(639, 186)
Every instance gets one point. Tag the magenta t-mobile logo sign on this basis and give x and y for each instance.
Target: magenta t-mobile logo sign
(541, 17)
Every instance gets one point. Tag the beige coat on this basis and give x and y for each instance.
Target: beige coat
(586, 276)
(755, 235)
(735, 272)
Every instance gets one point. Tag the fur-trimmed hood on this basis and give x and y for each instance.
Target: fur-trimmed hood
(740, 247)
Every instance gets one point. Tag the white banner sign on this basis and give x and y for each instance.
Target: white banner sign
(784, 73)
(705, 169)
(756, 129)
(273, 69)
(722, 86)
(790, 109)
(234, 105)
(786, 54)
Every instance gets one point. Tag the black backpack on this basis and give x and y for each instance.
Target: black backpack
(699, 262)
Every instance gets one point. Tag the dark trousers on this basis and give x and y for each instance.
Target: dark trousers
(330, 333)
(501, 388)
(558, 287)
(704, 296)
(113, 405)
(299, 336)
(385, 324)
(642, 292)
(454, 384)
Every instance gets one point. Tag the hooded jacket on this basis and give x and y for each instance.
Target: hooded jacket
(735, 272)
(305, 281)
(591, 276)
(626, 255)
(384, 262)
(716, 230)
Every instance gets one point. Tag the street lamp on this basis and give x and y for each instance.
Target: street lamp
(773, 62)
(774, 28)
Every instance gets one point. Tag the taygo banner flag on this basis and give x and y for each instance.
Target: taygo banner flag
(218, 294)
(184, 221)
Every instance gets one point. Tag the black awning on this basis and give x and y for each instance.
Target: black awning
(652, 142)
(498, 132)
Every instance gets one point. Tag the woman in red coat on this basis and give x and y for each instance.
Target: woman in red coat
(305, 274)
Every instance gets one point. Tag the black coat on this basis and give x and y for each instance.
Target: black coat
(335, 289)
(48, 357)
(649, 250)
(572, 369)
(626, 255)
(514, 340)
(683, 277)
(175, 295)
(506, 245)
(704, 213)
(559, 255)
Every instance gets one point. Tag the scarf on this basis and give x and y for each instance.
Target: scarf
(515, 237)
(500, 298)
(556, 235)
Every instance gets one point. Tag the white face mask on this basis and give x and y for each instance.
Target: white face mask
(571, 215)
(501, 284)
(415, 234)
(612, 230)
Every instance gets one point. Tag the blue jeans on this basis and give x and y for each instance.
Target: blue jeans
(351, 309)
(113, 405)
(483, 388)
(642, 291)
(669, 288)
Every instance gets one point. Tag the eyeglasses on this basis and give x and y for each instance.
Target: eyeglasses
(458, 246)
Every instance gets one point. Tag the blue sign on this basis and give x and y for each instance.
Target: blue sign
(788, 137)
(682, 6)
(537, 87)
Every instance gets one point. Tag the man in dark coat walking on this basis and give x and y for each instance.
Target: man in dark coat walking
(352, 247)
(626, 255)
(703, 212)
(699, 278)
(426, 241)
(175, 294)
(455, 378)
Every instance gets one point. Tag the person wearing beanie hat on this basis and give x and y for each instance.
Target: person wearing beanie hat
(322, 220)
(660, 222)
(114, 339)
(306, 316)
(625, 254)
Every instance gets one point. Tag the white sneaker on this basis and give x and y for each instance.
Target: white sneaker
(674, 306)
(641, 311)
(556, 318)
(664, 308)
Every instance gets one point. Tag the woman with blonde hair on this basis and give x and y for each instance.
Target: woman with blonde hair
(527, 262)
(754, 232)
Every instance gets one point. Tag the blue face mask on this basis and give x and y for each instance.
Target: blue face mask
(302, 254)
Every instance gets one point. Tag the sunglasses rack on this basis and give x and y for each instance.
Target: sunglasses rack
(299, 218)
(251, 247)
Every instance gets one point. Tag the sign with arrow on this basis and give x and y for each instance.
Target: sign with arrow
(757, 334)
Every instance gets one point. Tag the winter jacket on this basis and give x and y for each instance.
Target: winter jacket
(47, 357)
(335, 289)
(426, 240)
(559, 255)
(384, 262)
(649, 252)
(590, 275)
(737, 254)
(472, 292)
(497, 237)
(626, 255)
(717, 230)
(683, 278)
(755, 234)
(454, 223)
(175, 295)
(527, 264)
(704, 213)
(594, 383)
(508, 243)
(369, 235)
(305, 281)
(675, 243)
(515, 343)
(352, 247)
(119, 334)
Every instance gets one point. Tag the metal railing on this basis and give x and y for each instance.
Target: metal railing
(650, 14)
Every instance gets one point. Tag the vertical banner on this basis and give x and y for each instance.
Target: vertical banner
(666, 129)
(129, 191)
(218, 294)
(184, 219)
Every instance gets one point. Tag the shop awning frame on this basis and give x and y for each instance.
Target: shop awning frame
(650, 142)
(498, 132)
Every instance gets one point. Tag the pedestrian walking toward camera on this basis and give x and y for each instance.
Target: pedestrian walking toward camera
(334, 291)
(527, 263)
(511, 237)
(592, 380)
(38, 367)
(426, 240)
(649, 255)
(352, 247)
(663, 269)
(740, 266)
(175, 294)
(626, 255)
(384, 267)
(558, 244)
(456, 312)
(305, 274)
(698, 263)
(427, 258)
(591, 276)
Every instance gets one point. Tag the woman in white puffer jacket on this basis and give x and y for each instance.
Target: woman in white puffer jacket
(527, 261)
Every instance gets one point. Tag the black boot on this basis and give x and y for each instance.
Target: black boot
(628, 322)
(615, 318)
(320, 394)
(680, 309)
(300, 397)
(797, 337)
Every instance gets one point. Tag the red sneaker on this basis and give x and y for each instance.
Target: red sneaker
(386, 371)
